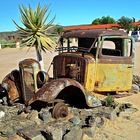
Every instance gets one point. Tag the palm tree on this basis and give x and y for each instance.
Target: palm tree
(36, 33)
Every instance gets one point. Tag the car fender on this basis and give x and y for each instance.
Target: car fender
(50, 91)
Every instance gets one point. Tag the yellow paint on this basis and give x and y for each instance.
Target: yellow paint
(113, 77)
(90, 77)
(108, 77)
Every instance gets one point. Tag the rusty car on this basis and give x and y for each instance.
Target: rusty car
(88, 62)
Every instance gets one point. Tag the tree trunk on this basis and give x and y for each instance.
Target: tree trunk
(40, 60)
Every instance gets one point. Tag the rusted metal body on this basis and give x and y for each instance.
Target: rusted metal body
(11, 84)
(60, 110)
(50, 91)
(65, 69)
(93, 33)
(105, 59)
(31, 77)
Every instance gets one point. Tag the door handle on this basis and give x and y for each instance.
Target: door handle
(130, 66)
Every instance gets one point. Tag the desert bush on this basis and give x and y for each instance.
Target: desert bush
(7, 43)
(109, 101)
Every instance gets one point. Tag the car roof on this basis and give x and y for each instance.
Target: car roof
(93, 33)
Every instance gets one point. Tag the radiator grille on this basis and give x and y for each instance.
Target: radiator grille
(28, 83)
(61, 63)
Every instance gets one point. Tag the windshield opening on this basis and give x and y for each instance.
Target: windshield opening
(76, 44)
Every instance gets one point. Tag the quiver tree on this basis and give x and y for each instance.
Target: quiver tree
(36, 30)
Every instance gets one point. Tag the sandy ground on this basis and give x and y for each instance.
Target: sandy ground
(118, 129)
(122, 128)
(10, 58)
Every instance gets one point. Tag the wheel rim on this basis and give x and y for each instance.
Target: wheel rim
(60, 110)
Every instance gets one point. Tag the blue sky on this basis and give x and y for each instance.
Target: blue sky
(70, 12)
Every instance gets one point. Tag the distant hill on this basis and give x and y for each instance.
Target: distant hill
(13, 35)
(9, 35)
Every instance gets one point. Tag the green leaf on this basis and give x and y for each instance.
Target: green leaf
(36, 32)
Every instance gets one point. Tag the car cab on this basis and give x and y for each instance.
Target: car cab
(101, 60)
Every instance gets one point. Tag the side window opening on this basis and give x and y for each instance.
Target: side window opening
(119, 47)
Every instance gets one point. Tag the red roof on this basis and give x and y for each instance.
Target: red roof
(136, 23)
(101, 26)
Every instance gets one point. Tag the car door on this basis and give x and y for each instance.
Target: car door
(114, 67)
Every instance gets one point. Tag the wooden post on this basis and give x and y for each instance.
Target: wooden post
(17, 44)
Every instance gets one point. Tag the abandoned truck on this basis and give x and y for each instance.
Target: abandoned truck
(88, 61)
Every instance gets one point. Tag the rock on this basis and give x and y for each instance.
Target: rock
(2, 114)
(74, 111)
(87, 117)
(91, 124)
(24, 123)
(23, 115)
(7, 132)
(86, 137)
(47, 135)
(1, 101)
(90, 131)
(125, 109)
(33, 116)
(124, 106)
(38, 137)
(56, 132)
(75, 133)
(4, 108)
(136, 83)
(41, 125)
(127, 112)
(75, 120)
(136, 79)
(4, 101)
(33, 134)
(89, 121)
(21, 108)
(99, 122)
(87, 112)
(27, 109)
(45, 116)
(70, 116)
(67, 126)
(110, 113)
(10, 127)
(94, 102)
(135, 88)
(4, 138)
(15, 137)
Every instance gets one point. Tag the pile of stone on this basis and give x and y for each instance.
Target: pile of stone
(136, 84)
(39, 125)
